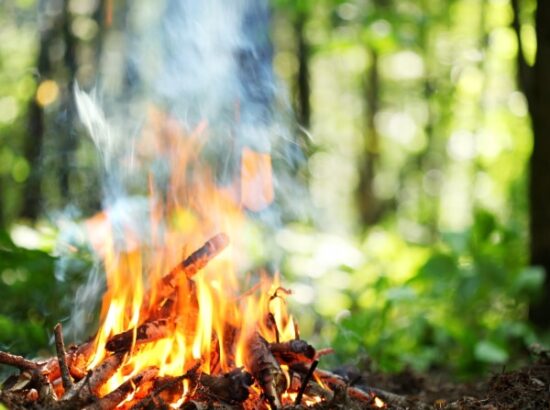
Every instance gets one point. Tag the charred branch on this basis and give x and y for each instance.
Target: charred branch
(266, 370)
(231, 387)
(197, 260)
(145, 333)
(293, 351)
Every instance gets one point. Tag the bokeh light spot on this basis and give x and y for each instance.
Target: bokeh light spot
(8, 110)
(47, 92)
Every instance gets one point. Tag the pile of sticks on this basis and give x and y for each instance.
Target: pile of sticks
(65, 382)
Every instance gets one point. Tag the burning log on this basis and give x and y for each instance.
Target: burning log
(113, 399)
(231, 387)
(170, 385)
(90, 385)
(293, 351)
(163, 390)
(266, 370)
(79, 359)
(197, 260)
(145, 333)
(104, 371)
(187, 268)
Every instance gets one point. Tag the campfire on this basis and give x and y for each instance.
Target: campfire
(180, 328)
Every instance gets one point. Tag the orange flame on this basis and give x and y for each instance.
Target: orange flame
(211, 322)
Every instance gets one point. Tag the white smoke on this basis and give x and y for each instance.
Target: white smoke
(208, 60)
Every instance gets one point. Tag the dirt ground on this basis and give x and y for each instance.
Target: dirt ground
(525, 388)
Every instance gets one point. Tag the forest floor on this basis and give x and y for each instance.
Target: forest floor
(525, 388)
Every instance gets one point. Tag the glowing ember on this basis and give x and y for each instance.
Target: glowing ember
(378, 402)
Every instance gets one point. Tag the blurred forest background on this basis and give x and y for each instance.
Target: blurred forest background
(427, 163)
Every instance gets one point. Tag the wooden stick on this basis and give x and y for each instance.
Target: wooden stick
(61, 357)
(146, 332)
(187, 268)
(197, 260)
(305, 382)
(17, 361)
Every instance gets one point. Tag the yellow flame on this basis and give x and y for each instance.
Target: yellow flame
(211, 323)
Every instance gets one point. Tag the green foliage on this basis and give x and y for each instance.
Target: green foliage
(464, 307)
(30, 297)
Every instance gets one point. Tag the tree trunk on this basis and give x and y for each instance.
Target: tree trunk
(303, 87)
(369, 208)
(535, 82)
(68, 142)
(32, 148)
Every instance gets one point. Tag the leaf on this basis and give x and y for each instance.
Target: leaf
(529, 279)
(439, 266)
(401, 293)
(489, 352)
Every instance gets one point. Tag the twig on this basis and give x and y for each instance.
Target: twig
(61, 357)
(305, 382)
(17, 361)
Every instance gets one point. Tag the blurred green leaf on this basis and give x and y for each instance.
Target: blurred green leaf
(490, 352)
(529, 279)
